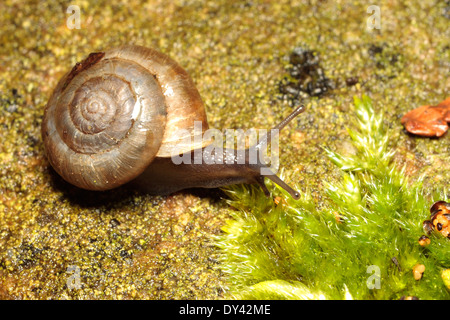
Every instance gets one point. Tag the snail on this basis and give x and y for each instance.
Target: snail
(116, 117)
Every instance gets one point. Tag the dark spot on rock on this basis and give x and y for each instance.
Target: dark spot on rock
(44, 218)
(307, 77)
(384, 55)
(114, 223)
(351, 81)
(32, 140)
(375, 49)
(124, 254)
(28, 255)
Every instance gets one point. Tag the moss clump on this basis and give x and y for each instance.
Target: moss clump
(361, 244)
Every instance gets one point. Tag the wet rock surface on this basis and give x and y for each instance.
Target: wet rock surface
(59, 242)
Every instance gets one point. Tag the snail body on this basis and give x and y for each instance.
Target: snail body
(116, 117)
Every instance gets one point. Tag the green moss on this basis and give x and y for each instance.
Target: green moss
(369, 226)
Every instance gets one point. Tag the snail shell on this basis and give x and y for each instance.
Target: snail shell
(114, 112)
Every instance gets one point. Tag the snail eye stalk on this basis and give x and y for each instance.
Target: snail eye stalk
(263, 142)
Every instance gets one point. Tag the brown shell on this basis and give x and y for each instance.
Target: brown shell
(114, 112)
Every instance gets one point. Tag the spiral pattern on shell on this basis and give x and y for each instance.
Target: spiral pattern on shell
(107, 118)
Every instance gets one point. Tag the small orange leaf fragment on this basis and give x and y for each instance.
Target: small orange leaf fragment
(428, 121)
